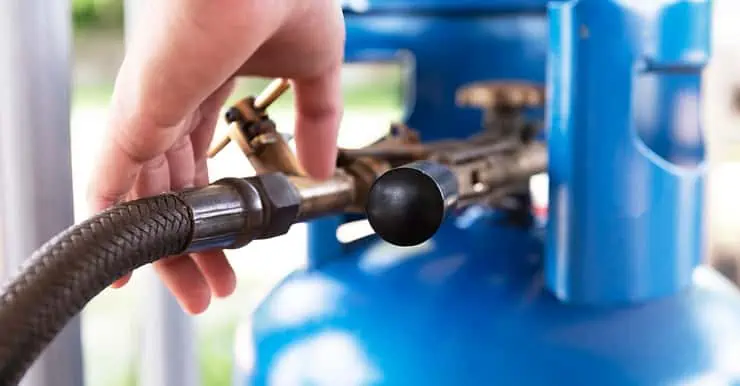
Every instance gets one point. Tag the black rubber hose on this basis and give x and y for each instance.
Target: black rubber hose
(66, 273)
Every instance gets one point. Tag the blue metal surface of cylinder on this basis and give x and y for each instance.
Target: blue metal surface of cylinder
(626, 149)
(470, 308)
(607, 295)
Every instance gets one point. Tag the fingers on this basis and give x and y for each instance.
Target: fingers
(202, 134)
(153, 179)
(180, 273)
(183, 278)
(113, 177)
(181, 164)
(217, 272)
(122, 281)
(319, 112)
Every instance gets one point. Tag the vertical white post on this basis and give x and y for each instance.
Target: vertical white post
(36, 198)
(169, 354)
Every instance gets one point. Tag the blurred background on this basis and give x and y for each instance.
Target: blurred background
(113, 324)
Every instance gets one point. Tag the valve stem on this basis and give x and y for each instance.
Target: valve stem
(271, 93)
(267, 97)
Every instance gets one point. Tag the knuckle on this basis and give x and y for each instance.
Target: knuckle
(132, 148)
(143, 138)
(201, 174)
(142, 130)
(95, 195)
(156, 163)
(182, 144)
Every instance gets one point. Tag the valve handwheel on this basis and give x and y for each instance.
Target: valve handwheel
(493, 95)
(503, 104)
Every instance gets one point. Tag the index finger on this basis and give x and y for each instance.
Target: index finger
(319, 113)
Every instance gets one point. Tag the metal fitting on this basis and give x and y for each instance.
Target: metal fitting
(227, 214)
(527, 162)
(281, 201)
(232, 212)
(321, 198)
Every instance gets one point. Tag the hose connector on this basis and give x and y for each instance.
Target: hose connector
(232, 212)
(224, 213)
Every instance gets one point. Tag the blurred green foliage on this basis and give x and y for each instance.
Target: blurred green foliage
(383, 94)
(216, 354)
(97, 14)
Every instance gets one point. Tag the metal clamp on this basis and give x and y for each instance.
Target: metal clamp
(256, 135)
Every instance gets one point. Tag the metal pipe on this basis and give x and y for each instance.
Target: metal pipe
(525, 163)
(320, 198)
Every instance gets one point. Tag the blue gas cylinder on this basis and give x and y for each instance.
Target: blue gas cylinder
(446, 44)
(610, 292)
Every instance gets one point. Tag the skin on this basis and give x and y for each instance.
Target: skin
(176, 76)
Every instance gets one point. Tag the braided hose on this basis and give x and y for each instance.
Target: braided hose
(67, 272)
(60, 278)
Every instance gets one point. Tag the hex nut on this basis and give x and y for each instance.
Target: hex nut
(281, 201)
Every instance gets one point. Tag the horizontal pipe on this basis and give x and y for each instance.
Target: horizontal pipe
(320, 198)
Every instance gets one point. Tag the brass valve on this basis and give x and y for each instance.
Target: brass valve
(398, 169)
(501, 95)
(503, 104)
(251, 128)
(255, 134)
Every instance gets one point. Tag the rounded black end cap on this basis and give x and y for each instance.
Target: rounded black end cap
(406, 206)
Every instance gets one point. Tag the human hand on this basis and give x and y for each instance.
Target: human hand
(178, 72)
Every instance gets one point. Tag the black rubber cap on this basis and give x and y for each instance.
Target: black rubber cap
(406, 206)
